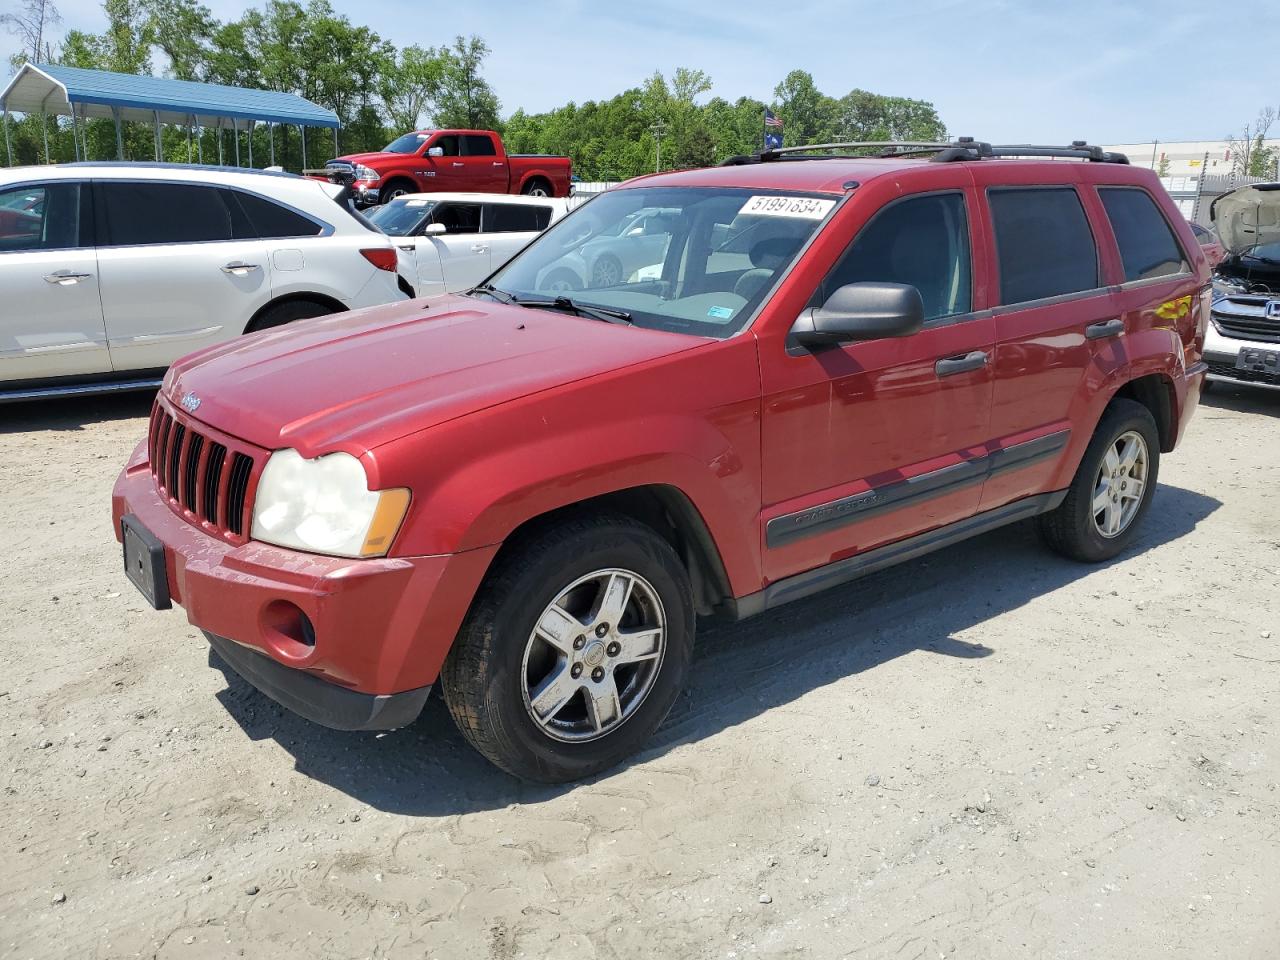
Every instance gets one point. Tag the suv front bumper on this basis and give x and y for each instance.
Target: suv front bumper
(1221, 353)
(350, 644)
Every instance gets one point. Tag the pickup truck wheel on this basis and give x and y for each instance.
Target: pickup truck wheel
(537, 188)
(574, 650)
(1112, 488)
(396, 188)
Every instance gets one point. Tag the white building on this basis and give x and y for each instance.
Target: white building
(1186, 158)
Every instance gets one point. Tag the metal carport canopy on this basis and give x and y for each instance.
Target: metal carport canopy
(47, 88)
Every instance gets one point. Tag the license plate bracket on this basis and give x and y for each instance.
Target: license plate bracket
(1258, 360)
(144, 562)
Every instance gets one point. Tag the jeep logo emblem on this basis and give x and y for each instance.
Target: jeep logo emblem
(190, 402)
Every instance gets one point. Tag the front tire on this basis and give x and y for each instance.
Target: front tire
(574, 650)
(1112, 488)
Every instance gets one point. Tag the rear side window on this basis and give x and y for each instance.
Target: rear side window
(269, 220)
(923, 241)
(1043, 242)
(145, 212)
(477, 145)
(1148, 248)
(515, 218)
(40, 217)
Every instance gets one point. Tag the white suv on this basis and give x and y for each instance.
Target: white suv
(110, 272)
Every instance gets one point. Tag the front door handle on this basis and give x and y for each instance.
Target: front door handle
(953, 365)
(1105, 328)
(479, 247)
(65, 278)
(457, 163)
(237, 269)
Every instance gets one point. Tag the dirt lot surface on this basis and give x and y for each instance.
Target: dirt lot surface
(988, 753)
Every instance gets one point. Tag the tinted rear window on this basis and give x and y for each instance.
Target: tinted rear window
(1148, 248)
(477, 145)
(515, 218)
(270, 220)
(1043, 242)
(151, 213)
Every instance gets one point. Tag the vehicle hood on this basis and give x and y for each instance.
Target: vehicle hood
(352, 381)
(368, 159)
(1247, 217)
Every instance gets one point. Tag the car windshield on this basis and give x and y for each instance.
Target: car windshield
(409, 143)
(693, 260)
(401, 217)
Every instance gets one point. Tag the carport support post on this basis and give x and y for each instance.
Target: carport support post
(249, 140)
(8, 147)
(44, 128)
(271, 141)
(155, 115)
(335, 141)
(190, 124)
(115, 115)
(301, 127)
(218, 130)
(235, 132)
(75, 131)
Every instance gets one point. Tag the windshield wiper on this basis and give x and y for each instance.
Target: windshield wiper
(606, 314)
(488, 288)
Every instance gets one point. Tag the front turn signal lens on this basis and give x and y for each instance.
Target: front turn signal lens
(387, 517)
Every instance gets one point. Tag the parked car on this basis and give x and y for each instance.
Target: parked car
(122, 268)
(635, 244)
(434, 161)
(455, 240)
(1243, 343)
(529, 497)
(1209, 243)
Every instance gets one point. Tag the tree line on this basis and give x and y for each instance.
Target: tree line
(379, 90)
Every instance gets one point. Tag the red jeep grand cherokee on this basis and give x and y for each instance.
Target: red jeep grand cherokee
(809, 368)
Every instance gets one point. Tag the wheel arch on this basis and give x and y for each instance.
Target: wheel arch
(1155, 391)
(331, 303)
(670, 513)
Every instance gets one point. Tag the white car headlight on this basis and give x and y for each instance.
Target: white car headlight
(325, 506)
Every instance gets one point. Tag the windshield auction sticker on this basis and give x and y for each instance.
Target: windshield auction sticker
(801, 208)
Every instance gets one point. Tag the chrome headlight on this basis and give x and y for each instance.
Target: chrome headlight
(365, 173)
(325, 506)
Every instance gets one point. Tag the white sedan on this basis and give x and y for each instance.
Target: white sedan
(110, 272)
(455, 240)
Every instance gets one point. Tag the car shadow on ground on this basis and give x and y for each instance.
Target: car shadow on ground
(1243, 399)
(73, 413)
(740, 670)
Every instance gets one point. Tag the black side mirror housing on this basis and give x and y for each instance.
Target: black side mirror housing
(870, 310)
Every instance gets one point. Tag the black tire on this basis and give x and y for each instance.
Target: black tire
(1071, 529)
(484, 677)
(395, 188)
(537, 187)
(282, 313)
(561, 279)
(606, 271)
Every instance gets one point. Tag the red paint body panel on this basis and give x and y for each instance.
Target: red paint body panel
(496, 173)
(493, 415)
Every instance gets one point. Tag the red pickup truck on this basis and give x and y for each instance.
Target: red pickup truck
(525, 495)
(433, 161)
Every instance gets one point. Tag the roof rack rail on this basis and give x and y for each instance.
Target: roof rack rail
(962, 148)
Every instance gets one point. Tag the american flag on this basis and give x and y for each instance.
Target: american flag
(771, 120)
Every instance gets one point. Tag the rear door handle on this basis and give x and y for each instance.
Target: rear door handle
(1105, 328)
(457, 163)
(479, 247)
(953, 365)
(65, 278)
(238, 269)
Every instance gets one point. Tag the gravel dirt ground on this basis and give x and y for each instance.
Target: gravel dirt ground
(988, 753)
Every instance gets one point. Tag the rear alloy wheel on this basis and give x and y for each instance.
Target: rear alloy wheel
(1112, 487)
(537, 188)
(574, 650)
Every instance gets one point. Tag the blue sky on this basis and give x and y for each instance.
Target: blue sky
(1000, 70)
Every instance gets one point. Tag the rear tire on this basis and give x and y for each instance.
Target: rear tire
(537, 187)
(282, 313)
(1100, 516)
(574, 650)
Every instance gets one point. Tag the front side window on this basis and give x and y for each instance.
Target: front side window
(40, 217)
(695, 260)
(515, 218)
(458, 217)
(401, 217)
(1043, 242)
(1148, 248)
(146, 212)
(921, 241)
(478, 146)
(449, 144)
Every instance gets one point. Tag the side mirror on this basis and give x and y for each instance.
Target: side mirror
(870, 310)
(434, 229)
(435, 151)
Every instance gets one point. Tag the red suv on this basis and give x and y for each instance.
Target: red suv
(812, 367)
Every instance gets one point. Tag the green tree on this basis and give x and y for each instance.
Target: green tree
(465, 99)
(410, 86)
(182, 29)
(810, 116)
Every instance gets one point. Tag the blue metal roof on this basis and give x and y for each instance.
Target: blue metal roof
(53, 89)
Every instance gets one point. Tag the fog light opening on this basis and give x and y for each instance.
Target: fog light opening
(287, 630)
